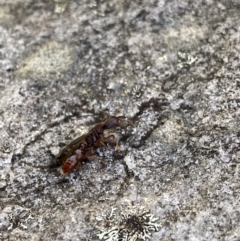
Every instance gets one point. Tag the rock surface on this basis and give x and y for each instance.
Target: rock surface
(172, 68)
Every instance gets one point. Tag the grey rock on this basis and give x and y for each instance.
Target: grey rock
(172, 68)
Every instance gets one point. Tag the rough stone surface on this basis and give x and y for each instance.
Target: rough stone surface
(171, 67)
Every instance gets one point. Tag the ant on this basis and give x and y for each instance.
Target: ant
(82, 148)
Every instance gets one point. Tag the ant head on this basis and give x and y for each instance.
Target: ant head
(112, 122)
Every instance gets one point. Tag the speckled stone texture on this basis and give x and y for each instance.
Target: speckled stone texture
(172, 68)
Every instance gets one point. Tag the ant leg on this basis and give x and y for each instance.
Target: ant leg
(92, 157)
(130, 122)
(100, 142)
(112, 139)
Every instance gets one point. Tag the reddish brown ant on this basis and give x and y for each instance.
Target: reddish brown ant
(82, 147)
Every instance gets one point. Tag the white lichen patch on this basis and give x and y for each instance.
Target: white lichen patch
(131, 227)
